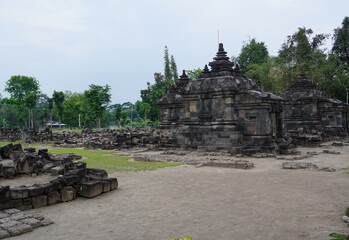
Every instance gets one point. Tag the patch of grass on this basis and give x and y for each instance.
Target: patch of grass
(75, 130)
(110, 162)
(3, 143)
(346, 170)
(338, 236)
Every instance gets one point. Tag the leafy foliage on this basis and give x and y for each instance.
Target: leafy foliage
(194, 74)
(252, 52)
(98, 98)
(58, 99)
(341, 42)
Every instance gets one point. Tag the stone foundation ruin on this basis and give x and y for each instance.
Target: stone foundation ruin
(74, 178)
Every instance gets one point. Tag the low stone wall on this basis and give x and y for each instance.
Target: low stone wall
(62, 189)
(74, 178)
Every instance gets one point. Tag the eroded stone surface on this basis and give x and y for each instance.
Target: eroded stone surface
(15, 222)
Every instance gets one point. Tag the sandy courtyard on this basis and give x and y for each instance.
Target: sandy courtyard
(266, 202)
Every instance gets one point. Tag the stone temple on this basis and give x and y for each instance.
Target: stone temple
(223, 109)
(309, 110)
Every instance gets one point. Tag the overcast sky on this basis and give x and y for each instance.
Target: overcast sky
(70, 44)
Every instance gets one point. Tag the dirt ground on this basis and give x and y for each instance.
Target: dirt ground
(265, 202)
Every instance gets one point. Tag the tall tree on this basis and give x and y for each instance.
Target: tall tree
(19, 87)
(341, 41)
(173, 67)
(58, 99)
(167, 69)
(252, 52)
(98, 98)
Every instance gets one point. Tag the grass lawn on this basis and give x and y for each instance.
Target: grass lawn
(109, 161)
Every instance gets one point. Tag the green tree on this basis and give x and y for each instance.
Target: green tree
(167, 68)
(173, 67)
(58, 99)
(74, 104)
(341, 42)
(252, 52)
(30, 102)
(19, 87)
(98, 98)
(194, 74)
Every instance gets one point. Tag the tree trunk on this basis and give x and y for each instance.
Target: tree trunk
(29, 118)
(32, 117)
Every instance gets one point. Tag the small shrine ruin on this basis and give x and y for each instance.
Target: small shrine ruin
(309, 110)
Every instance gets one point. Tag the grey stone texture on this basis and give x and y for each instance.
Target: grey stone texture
(13, 222)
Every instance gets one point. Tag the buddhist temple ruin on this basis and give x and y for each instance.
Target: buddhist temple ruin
(309, 110)
(223, 109)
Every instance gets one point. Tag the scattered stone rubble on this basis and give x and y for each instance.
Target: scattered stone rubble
(14, 222)
(74, 178)
(198, 159)
(306, 165)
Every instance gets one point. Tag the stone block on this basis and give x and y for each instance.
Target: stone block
(113, 183)
(55, 171)
(27, 201)
(6, 150)
(17, 147)
(33, 222)
(12, 211)
(68, 193)
(53, 198)
(7, 223)
(19, 229)
(80, 172)
(15, 203)
(44, 154)
(9, 171)
(25, 207)
(39, 201)
(46, 222)
(36, 190)
(16, 155)
(19, 192)
(96, 174)
(49, 187)
(4, 234)
(90, 189)
(4, 215)
(47, 167)
(4, 192)
(30, 150)
(69, 180)
(106, 186)
(5, 205)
